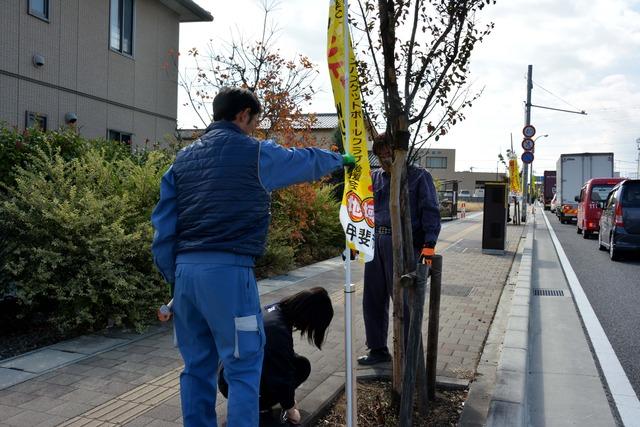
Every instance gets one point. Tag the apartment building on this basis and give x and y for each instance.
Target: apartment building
(99, 65)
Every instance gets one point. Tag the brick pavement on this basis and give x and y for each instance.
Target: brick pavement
(137, 384)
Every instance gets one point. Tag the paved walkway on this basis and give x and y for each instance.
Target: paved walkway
(133, 381)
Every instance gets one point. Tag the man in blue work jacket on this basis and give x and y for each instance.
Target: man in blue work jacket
(378, 273)
(210, 225)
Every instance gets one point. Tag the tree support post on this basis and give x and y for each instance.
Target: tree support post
(416, 284)
(434, 324)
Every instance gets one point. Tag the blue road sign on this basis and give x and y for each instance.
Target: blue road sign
(527, 157)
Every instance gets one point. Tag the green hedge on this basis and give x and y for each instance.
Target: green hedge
(81, 238)
(76, 231)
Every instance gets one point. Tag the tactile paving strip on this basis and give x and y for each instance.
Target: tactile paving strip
(131, 404)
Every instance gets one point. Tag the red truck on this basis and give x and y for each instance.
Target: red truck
(549, 183)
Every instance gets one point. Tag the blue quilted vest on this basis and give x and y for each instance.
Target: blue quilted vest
(221, 203)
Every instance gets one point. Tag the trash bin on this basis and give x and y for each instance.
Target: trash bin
(494, 222)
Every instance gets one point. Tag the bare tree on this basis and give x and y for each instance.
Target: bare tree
(283, 85)
(414, 69)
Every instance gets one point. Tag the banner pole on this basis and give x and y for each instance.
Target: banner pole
(349, 288)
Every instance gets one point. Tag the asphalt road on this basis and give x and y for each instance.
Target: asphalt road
(613, 289)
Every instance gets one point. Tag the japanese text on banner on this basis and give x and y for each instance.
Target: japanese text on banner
(356, 210)
(514, 176)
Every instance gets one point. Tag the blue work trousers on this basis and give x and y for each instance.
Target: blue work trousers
(378, 290)
(217, 317)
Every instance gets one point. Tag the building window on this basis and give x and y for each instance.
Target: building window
(39, 9)
(121, 26)
(436, 162)
(123, 137)
(35, 120)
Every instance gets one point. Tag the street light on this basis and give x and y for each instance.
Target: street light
(542, 136)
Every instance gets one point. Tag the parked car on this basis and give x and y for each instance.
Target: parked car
(592, 194)
(620, 220)
(464, 193)
(554, 203)
(478, 192)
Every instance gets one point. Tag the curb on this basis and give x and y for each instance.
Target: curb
(476, 406)
(508, 405)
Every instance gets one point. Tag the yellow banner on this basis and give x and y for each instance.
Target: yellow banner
(356, 211)
(514, 176)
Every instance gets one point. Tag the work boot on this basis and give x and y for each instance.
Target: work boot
(374, 357)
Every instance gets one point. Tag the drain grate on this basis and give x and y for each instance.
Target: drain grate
(456, 290)
(548, 292)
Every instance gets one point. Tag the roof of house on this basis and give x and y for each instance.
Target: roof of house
(188, 10)
(323, 121)
(326, 121)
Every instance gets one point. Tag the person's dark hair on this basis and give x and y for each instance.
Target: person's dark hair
(379, 141)
(310, 312)
(232, 100)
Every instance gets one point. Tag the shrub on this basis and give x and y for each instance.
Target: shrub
(304, 228)
(18, 148)
(76, 232)
(82, 235)
(323, 237)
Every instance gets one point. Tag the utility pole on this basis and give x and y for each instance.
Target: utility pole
(527, 122)
(638, 171)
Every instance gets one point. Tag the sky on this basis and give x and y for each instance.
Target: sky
(585, 56)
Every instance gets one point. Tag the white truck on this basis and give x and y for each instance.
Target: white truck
(572, 171)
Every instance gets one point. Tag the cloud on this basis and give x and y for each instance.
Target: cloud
(585, 55)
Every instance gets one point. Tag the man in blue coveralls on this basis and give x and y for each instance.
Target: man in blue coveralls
(378, 273)
(210, 225)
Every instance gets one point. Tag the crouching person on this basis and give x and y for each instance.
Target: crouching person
(283, 370)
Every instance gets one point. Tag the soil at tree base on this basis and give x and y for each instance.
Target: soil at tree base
(375, 408)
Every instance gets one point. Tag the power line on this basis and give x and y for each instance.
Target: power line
(556, 96)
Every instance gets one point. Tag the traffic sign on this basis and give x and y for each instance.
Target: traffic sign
(527, 144)
(527, 157)
(529, 131)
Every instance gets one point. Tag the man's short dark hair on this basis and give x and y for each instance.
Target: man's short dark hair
(232, 100)
(379, 142)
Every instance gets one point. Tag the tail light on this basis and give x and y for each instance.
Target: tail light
(618, 215)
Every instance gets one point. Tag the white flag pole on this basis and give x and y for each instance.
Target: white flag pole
(349, 288)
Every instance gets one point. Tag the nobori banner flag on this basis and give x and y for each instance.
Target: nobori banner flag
(356, 211)
(514, 176)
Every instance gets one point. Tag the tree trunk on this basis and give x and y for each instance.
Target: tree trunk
(398, 267)
(398, 132)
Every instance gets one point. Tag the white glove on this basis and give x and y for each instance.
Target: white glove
(293, 415)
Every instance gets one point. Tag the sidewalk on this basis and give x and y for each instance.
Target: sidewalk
(135, 383)
(546, 373)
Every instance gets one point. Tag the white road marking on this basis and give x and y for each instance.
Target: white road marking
(452, 245)
(459, 220)
(623, 395)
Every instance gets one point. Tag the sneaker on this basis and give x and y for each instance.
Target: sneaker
(374, 357)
